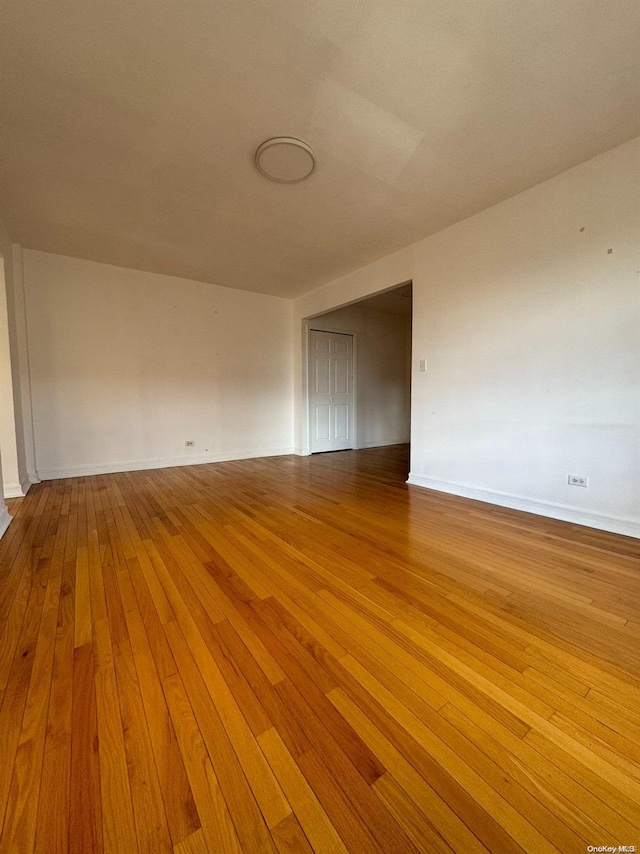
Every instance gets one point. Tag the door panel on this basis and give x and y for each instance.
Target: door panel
(342, 343)
(341, 422)
(341, 371)
(322, 423)
(322, 342)
(331, 391)
(323, 376)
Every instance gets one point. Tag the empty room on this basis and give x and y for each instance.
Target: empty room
(319, 427)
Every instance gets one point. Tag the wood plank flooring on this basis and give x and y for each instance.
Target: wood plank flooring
(304, 654)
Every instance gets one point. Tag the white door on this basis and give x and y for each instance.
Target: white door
(331, 391)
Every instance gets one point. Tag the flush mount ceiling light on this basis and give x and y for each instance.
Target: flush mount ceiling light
(285, 159)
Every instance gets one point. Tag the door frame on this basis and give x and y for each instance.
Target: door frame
(310, 324)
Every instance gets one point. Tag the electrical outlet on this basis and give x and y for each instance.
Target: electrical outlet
(189, 444)
(578, 480)
(423, 364)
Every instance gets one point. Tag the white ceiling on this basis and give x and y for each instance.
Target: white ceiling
(128, 129)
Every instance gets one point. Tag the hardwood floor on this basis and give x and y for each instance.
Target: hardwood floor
(304, 654)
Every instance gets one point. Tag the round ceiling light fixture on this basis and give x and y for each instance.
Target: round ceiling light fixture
(285, 159)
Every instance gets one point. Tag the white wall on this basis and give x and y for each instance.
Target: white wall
(20, 370)
(531, 331)
(126, 366)
(8, 445)
(16, 418)
(5, 518)
(7, 423)
(383, 386)
(8, 450)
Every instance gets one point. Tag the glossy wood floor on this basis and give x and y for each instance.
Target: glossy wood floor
(305, 654)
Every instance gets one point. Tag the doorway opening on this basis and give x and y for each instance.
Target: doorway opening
(369, 343)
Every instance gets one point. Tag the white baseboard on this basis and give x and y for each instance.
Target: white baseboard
(302, 452)
(19, 490)
(5, 520)
(563, 512)
(13, 490)
(382, 443)
(159, 463)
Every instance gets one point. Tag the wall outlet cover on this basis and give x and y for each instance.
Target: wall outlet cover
(578, 480)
